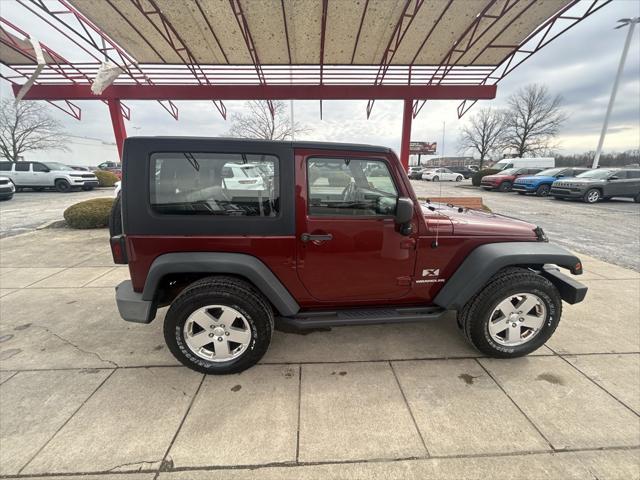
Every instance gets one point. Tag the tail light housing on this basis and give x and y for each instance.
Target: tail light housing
(119, 249)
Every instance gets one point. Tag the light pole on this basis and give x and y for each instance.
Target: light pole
(631, 22)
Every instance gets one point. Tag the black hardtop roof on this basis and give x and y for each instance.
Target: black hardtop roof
(256, 142)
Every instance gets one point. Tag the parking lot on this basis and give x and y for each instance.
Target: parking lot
(85, 393)
(29, 210)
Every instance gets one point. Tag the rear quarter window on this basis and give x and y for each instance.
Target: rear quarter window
(5, 166)
(215, 184)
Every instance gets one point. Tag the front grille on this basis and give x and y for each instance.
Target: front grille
(88, 176)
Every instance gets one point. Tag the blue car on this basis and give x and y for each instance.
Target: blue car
(540, 183)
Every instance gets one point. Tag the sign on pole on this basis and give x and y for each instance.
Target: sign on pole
(422, 148)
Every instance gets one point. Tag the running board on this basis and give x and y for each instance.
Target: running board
(370, 316)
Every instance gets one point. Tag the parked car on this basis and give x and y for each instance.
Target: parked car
(237, 176)
(441, 175)
(7, 189)
(464, 171)
(540, 183)
(113, 167)
(503, 181)
(41, 175)
(600, 184)
(229, 264)
(415, 172)
(540, 162)
(474, 168)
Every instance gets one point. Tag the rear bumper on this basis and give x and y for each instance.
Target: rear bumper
(570, 290)
(131, 306)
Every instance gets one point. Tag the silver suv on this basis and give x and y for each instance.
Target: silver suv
(41, 175)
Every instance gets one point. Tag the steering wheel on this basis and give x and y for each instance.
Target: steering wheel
(349, 193)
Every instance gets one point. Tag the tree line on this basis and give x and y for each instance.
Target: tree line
(527, 127)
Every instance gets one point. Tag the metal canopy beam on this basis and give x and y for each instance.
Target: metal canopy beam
(263, 92)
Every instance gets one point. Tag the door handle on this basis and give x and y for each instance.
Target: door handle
(307, 237)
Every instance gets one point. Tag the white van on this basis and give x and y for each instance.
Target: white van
(542, 162)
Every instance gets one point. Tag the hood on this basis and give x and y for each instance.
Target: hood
(535, 179)
(466, 222)
(497, 176)
(578, 180)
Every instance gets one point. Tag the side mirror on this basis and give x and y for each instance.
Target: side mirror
(404, 211)
(560, 176)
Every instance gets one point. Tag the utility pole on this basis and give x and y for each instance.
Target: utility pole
(631, 22)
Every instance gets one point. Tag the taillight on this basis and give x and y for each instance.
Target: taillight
(119, 249)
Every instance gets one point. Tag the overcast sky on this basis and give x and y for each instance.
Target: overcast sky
(579, 65)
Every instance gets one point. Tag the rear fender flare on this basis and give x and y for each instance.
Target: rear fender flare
(238, 264)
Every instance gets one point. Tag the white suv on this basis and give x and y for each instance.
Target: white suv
(41, 175)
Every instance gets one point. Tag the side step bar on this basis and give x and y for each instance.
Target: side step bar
(370, 316)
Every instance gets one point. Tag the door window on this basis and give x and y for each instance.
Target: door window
(350, 187)
(5, 166)
(38, 167)
(22, 167)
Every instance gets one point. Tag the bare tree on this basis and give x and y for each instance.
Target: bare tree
(484, 133)
(259, 123)
(534, 118)
(28, 126)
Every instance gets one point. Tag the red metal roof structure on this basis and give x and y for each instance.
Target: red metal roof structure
(410, 50)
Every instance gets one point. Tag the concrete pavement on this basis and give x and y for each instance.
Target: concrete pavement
(84, 393)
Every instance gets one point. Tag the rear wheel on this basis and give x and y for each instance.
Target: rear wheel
(436, 179)
(637, 198)
(504, 187)
(513, 315)
(543, 190)
(219, 325)
(592, 195)
(63, 186)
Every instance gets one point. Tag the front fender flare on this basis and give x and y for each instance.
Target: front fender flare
(486, 260)
(222, 263)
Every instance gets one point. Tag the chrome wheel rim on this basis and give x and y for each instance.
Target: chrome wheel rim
(217, 333)
(517, 319)
(593, 196)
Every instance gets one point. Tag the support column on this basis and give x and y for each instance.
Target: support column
(117, 120)
(407, 116)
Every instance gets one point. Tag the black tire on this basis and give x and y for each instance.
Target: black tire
(459, 178)
(63, 186)
(593, 195)
(87, 188)
(543, 190)
(637, 198)
(522, 193)
(8, 197)
(475, 315)
(505, 187)
(226, 291)
(435, 179)
(115, 218)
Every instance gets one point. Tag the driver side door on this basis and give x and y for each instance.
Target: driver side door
(348, 244)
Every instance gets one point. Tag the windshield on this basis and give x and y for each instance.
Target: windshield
(502, 164)
(57, 166)
(599, 174)
(508, 171)
(551, 172)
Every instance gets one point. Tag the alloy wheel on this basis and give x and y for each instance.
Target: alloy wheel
(517, 319)
(217, 333)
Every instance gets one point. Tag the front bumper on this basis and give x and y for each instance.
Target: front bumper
(523, 187)
(570, 290)
(565, 192)
(131, 306)
(81, 182)
(489, 185)
(7, 191)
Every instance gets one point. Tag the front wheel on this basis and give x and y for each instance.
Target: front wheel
(63, 186)
(592, 195)
(459, 178)
(219, 325)
(514, 315)
(436, 179)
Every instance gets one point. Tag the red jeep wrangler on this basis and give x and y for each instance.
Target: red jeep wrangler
(236, 235)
